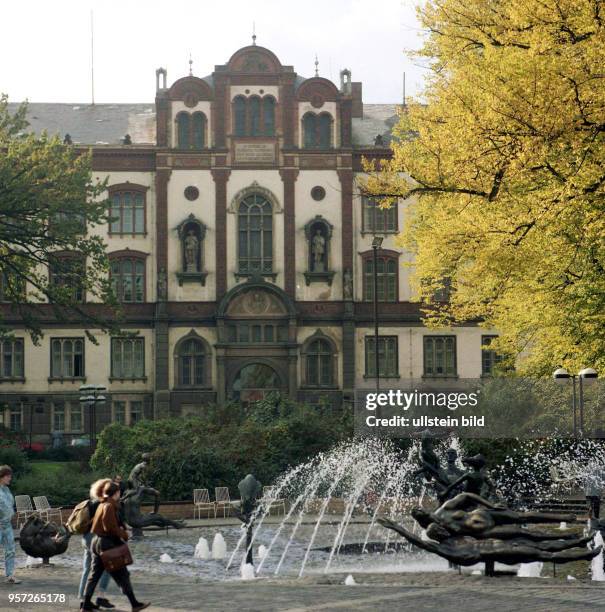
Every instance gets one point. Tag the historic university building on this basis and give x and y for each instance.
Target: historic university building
(240, 248)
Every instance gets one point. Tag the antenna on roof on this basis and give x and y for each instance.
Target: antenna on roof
(190, 64)
(92, 58)
(404, 88)
(316, 66)
(254, 33)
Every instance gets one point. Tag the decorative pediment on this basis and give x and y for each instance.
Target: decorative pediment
(254, 60)
(256, 302)
(190, 221)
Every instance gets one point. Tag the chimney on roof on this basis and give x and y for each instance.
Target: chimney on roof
(353, 89)
(164, 74)
(345, 81)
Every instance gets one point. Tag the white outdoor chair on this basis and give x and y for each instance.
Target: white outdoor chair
(201, 501)
(45, 511)
(270, 501)
(24, 509)
(221, 495)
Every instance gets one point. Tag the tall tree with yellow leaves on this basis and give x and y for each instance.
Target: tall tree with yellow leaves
(506, 164)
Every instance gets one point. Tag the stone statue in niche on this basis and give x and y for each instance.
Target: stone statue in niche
(318, 251)
(347, 284)
(191, 246)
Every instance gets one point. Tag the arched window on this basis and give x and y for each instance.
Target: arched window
(319, 360)
(128, 277)
(127, 210)
(183, 126)
(269, 115)
(254, 116)
(254, 109)
(255, 244)
(199, 130)
(309, 129)
(191, 130)
(192, 362)
(67, 271)
(317, 131)
(239, 116)
(387, 284)
(325, 131)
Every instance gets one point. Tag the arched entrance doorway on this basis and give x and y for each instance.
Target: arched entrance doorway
(254, 382)
(256, 349)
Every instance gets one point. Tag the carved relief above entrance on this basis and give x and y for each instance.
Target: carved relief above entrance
(256, 302)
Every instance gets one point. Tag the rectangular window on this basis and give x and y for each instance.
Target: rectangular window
(386, 278)
(67, 358)
(136, 411)
(127, 213)
(59, 416)
(75, 417)
(387, 356)
(16, 418)
(377, 219)
(440, 356)
(128, 357)
(119, 412)
(489, 358)
(66, 274)
(11, 359)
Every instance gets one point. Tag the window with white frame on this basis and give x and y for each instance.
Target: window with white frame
(67, 358)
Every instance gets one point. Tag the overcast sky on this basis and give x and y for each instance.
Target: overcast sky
(45, 53)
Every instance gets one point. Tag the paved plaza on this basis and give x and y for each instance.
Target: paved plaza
(423, 591)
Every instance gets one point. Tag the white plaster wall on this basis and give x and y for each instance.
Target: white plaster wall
(411, 351)
(139, 242)
(97, 364)
(268, 179)
(330, 209)
(176, 333)
(179, 208)
(328, 107)
(203, 106)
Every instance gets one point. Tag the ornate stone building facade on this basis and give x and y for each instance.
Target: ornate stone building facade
(240, 249)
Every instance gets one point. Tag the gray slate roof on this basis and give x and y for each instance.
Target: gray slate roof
(109, 123)
(98, 124)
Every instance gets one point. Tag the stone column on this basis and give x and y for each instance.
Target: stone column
(289, 176)
(162, 383)
(348, 325)
(221, 176)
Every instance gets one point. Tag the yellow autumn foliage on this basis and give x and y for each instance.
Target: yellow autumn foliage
(505, 162)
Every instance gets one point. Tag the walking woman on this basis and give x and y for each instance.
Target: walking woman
(96, 490)
(108, 532)
(7, 510)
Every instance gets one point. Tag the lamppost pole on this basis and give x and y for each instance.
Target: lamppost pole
(90, 395)
(376, 244)
(584, 374)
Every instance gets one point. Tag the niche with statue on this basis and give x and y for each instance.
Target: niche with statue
(191, 234)
(318, 233)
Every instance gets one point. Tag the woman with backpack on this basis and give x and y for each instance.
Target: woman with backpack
(108, 548)
(87, 511)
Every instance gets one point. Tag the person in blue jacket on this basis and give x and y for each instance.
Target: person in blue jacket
(7, 511)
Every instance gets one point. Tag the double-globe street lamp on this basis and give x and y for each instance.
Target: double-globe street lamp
(561, 374)
(91, 396)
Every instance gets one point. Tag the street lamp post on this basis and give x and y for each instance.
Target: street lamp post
(376, 244)
(91, 395)
(585, 374)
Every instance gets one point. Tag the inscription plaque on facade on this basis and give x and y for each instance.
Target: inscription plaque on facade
(254, 153)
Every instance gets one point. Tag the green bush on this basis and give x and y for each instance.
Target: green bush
(221, 447)
(64, 486)
(17, 459)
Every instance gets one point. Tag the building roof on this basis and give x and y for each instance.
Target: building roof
(109, 123)
(93, 124)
